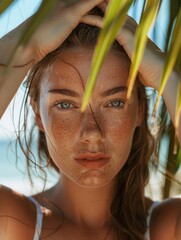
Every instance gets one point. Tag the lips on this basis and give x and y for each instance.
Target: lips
(93, 160)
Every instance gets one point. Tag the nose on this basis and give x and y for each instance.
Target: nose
(91, 129)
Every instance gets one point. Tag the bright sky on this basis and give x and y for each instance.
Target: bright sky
(22, 9)
(17, 13)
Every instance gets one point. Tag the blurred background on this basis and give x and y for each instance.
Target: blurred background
(14, 175)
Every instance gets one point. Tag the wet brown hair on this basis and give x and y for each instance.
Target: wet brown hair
(128, 208)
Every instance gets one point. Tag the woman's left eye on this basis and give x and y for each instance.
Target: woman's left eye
(116, 104)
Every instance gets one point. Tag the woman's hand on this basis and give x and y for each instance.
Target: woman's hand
(151, 66)
(50, 34)
(57, 27)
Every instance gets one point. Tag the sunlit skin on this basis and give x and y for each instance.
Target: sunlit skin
(88, 148)
(107, 126)
(85, 192)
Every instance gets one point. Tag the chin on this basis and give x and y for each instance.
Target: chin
(93, 179)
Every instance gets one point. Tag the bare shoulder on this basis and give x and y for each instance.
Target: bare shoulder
(17, 215)
(166, 220)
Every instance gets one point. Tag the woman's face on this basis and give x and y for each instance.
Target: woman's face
(88, 147)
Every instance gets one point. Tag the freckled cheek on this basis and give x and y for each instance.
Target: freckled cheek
(62, 130)
(120, 133)
(120, 126)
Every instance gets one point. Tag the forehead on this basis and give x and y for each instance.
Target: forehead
(72, 67)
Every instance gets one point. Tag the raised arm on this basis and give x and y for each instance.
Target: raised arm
(151, 69)
(47, 38)
(10, 81)
(151, 66)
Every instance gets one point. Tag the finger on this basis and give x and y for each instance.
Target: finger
(103, 6)
(125, 37)
(129, 25)
(85, 6)
(97, 21)
(93, 20)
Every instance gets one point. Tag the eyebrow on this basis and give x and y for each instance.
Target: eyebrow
(114, 90)
(64, 91)
(69, 92)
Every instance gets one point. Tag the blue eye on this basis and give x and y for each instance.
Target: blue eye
(64, 105)
(116, 104)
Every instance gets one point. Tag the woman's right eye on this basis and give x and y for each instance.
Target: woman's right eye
(64, 105)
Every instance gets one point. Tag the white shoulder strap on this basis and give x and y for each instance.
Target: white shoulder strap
(147, 234)
(39, 219)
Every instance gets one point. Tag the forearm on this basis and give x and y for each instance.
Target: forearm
(170, 94)
(9, 85)
(151, 69)
(10, 80)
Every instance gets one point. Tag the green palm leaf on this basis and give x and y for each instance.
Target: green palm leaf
(38, 18)
(141, 39)
(114, 19)
(178, 107)
(45, 8)
(112, 10)
(171, 57)
(4, 4)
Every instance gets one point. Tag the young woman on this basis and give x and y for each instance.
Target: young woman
(102, 154)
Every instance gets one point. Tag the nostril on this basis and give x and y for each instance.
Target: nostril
(91, 128)
(91, 132)
(91, 136)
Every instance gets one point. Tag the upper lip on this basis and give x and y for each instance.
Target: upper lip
(92, 156)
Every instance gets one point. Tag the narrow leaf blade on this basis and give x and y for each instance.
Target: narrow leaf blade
(105, 41)
(171, 57)
(173, 52)
(178, 107)
(4, 4)
(140, 41)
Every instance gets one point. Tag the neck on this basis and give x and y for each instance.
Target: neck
(84, 206)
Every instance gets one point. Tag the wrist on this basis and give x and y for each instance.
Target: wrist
(22, 58)
(9, 49)
(172, 83)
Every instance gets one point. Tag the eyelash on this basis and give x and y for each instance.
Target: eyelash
(121, 102)
(61, 102)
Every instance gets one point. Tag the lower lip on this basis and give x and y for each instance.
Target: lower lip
(93, 163)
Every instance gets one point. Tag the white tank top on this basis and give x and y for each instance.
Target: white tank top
(39, 219)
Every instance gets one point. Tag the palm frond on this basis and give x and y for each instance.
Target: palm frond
(4, 4)
(38, 18)
(114, 19)
(175, 5)
(171, 57)
(44, 10)
(178, 107)
(140, 40)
